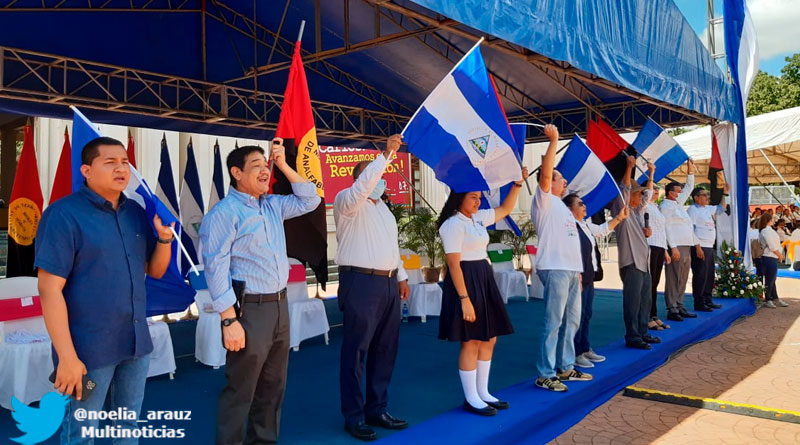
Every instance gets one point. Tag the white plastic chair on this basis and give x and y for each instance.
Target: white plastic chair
(511, 282)
(425, 298)
(208, 348)
(26, 367)
(162, 359)
(537, 288)
(307, 317)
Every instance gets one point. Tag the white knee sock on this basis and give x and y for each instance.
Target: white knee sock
(470, 391)
(483, 381)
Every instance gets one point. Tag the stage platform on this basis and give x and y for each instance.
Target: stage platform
(425, 387)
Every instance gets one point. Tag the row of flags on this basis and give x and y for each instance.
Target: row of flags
(306, 235)
(462, 133)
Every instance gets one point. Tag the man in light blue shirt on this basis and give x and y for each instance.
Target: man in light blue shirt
(244, 252)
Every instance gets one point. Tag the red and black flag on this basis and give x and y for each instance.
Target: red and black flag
(307, 235)
(609, 147)
(131, 150)
(24, 211)
(62, 184)
(715, 172)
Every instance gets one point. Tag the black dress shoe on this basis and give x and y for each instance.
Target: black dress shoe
(386, 420)
(686, 314)
(486, 411)
(498, 404)
(714, 305)
(702, 308)
(650, 339)
(361, 431)
(638, 345)
(674, 316)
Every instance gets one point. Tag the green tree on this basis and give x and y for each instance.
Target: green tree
(771, 93)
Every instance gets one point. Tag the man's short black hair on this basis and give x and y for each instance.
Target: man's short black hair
(92, 148)
(697, 191)
(672, 186)
(236, 159)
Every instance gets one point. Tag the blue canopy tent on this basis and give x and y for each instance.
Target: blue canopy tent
(220, 67)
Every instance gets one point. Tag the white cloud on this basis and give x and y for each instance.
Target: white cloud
(777, 25)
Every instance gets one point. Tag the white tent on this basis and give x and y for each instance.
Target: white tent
(777, 134)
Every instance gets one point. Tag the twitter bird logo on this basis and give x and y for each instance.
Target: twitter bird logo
(38, 424)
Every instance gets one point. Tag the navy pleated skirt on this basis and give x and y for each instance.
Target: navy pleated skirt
(491, 318)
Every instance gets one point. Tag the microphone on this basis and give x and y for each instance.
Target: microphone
(646, 220)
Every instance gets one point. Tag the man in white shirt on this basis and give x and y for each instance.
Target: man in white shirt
(559, 266)
(703, 218)
(372, 282)
(658, 246)
(681, 241)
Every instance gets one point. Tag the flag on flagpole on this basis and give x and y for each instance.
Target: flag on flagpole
(217, 183)
(587, 176)
(62, 184)
(656, 145)
(741, 51)
(83, 131)
(131, 150)
(715, 171)
(306, 235)
(461, 130)
(191, 208)
(609, 147)
(24, 211)
(170, 293)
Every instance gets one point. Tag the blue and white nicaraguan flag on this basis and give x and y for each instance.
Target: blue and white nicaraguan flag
(741, 51)
(587, 176)
(461, 130)
(655, 145)
(170, 293)
(191, 209)
(491, 199)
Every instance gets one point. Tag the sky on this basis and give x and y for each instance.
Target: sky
(777, 25)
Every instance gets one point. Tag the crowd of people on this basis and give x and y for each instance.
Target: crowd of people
(769, 230)
(246, 267)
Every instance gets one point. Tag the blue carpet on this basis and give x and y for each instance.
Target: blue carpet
(537, 416)
(425, 383)
(788, 273)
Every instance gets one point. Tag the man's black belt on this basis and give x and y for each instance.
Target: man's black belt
(265, 298)
(365, 271)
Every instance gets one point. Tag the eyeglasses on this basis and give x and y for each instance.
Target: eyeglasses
(581, 204)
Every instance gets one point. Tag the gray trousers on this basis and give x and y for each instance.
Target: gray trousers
(677, 276)
(635, 302)
(256, 377)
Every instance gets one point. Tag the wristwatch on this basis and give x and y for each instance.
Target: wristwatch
(229, 321)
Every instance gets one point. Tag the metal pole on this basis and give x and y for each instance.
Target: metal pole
(791, 189)
(203, 39)
(557, 152)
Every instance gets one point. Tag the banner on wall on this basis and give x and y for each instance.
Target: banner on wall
(337, 172)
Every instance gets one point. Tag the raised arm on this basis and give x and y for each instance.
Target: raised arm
(507, 207)
(687, 188)
(159, 259)
(626, 179)
(549, 159)
(349, 200)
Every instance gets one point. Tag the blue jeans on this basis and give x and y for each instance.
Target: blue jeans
(562, 314)
(769, 267)
(120, 385)
(582, 336)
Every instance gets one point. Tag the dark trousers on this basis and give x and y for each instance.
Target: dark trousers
(769, 267)
(582, 336)
(656, 266)
(256, 377)
(371, 307)
(635, 302)
(702, 276)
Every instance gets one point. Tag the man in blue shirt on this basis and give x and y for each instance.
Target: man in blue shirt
(246, 267)
(93, 250)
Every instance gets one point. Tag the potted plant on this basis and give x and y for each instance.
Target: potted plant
(518, 243)
(419, 233)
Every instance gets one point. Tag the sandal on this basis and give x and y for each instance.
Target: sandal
(662, 324)
(653, 326)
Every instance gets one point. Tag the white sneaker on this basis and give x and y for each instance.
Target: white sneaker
(593, 356)
(782, 303)
(770, 304)
(582, 362)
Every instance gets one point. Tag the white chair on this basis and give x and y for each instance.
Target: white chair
(511, 282)
(537, 288)
(425, 298)
(307, 317)
(208, 348)
(25, 367)
(162, 359)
